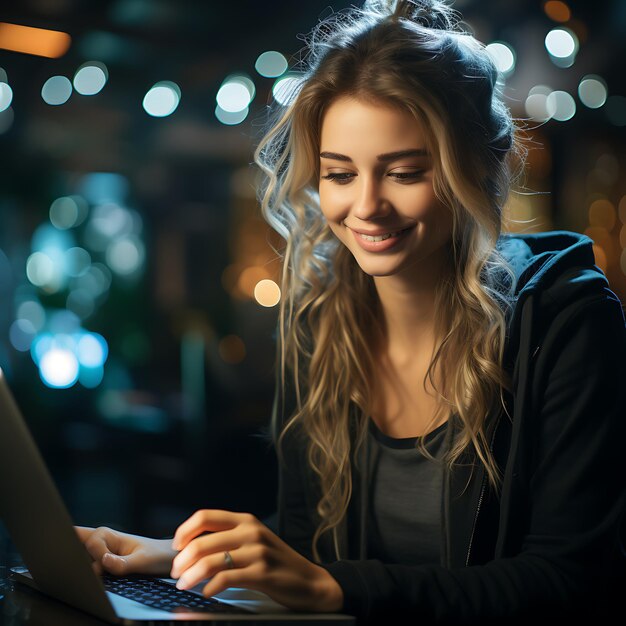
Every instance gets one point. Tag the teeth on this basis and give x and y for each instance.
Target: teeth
(379, 237)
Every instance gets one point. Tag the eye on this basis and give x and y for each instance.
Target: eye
(341, 178)
(407, 176)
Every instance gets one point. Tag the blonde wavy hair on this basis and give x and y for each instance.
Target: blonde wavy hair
(415, 56)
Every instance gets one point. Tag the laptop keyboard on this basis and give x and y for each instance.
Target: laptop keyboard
(160, 595)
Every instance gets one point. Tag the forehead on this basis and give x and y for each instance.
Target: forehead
(351, 125)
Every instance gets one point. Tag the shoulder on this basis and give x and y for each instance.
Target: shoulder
(559, 289)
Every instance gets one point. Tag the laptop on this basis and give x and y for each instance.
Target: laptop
(58, 565)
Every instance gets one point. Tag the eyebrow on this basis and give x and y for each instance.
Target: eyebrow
(385, 158)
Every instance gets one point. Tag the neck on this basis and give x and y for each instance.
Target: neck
(408, 307)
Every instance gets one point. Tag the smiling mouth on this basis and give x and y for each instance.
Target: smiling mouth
(375, 238)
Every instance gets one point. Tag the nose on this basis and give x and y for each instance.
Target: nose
(370, 203)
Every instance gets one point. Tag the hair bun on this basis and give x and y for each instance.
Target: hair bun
(435, 14)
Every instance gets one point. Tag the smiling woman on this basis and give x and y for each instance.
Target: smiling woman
(449, 397)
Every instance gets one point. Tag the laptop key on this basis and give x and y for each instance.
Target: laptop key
(160, 595)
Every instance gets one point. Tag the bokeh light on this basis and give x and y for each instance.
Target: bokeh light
(503, 56)
(562, 45)
(92, 350)
(267, 293)
(561, 42)
(230, 119)
(103, 187)
(77, 261)
(68, 212)
(537, 106)
(6, 96)
(602, 214)
(592, 91)
(235, 94)
(65, 357)
(90, 78)
(21, 334)
(162, 99)
(271, 64)
(563, 104)
(40, 269)
(32, 311)
(56, 90)
(285, 88)
(621, 210)
(126, 255)
(91, 377)
(58, 368)
(248, 279)
(557, 10)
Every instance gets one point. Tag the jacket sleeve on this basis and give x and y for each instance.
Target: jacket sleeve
(574, 494)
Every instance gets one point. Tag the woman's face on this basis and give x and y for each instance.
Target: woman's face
(376, 188)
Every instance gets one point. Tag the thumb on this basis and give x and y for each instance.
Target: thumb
(115, 564)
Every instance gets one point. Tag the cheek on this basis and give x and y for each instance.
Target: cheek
(331, 207)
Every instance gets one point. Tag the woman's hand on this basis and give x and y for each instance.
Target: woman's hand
(120, 553)
(240, 551)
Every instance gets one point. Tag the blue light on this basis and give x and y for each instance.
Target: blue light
(48, 237)
(92, 350)
(102, 187)
(58, 368)
(90, 377)
(41, 344)
(21, 334)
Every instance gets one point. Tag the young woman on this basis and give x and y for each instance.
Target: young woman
(449, 414)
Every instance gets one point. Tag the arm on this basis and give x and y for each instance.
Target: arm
(574, 497)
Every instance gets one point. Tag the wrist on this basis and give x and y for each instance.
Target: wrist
(328, 592)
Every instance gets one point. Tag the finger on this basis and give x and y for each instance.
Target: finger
(83, 532)
(115, 564)
(96, 547)
(205, 545)
(100, 542)
(210, 565)
(230, 578)
(206, 520)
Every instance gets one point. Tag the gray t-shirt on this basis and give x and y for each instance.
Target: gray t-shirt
(404, 523)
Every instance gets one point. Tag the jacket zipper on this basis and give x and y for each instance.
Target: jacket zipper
(484, 483)
(482, 493)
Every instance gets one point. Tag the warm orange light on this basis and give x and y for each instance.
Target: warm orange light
(600, 257)
(599, 235)
(267, 293)
(602, 214)
(556, 10)
(38, 41)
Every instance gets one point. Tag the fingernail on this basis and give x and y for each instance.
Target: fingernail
(181, 584)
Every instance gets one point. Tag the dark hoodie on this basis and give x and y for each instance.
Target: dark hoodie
(548, 544)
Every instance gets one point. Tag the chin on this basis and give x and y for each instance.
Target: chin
(379, 269)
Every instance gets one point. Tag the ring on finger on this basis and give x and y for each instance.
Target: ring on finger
(228, 559)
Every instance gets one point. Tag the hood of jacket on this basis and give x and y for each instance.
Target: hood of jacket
(553, 269)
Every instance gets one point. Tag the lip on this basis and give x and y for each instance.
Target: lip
(379, 233)
(380, 246)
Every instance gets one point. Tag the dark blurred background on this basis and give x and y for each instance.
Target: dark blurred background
(137, 280)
